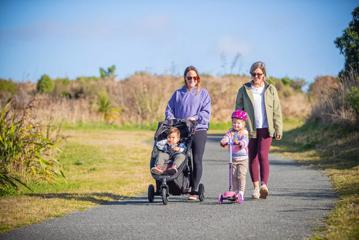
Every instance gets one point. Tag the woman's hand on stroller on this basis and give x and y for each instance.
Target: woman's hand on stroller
(192, 119)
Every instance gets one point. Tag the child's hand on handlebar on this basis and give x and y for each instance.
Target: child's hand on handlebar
(223, 143)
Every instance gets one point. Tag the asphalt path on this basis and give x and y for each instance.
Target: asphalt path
(299, 199)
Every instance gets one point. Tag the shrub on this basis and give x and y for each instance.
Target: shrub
(61, 88)
(109, 73)
(297, 84)
(7, 89)
(337, 102)
(286, 81)
(105, 107)
(7, 86)
(352, 98)
(323, 86)
(45, 84)
(104, 104)
(26, 149)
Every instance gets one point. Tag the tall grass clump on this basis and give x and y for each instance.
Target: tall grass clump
(105, 106)
(27, 149)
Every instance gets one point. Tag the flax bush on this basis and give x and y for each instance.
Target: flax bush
(27, 149)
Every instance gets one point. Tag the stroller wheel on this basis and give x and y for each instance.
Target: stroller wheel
(151, 193)
(201, 192)
(164, 196)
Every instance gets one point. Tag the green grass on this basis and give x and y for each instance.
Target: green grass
(334, 149)
(223, 126)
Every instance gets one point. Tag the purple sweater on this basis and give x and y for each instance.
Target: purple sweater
(184, 104)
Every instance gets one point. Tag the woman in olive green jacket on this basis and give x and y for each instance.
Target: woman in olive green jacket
(260, 100)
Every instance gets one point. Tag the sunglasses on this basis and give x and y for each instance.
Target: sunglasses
(257, 74)
(194, 78)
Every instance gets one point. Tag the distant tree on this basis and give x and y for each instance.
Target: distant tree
(109, 73)
(103, 73)
(348, 44)
(45, 84)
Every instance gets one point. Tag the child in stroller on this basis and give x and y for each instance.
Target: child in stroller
(171, 153)
(172, 178)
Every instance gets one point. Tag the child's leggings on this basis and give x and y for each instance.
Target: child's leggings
(239, 173)
(258, 151)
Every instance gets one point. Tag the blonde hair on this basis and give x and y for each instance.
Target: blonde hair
(259, 65)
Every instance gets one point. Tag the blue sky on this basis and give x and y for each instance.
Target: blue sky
(66, 38)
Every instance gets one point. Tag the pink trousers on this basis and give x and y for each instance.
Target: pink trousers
(258, 151)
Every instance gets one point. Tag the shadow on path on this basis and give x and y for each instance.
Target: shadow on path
(96, 197)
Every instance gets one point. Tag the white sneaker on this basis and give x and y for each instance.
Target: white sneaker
(263, 193)
(255, 194)
(240, 197)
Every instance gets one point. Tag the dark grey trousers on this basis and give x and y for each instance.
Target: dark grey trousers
(198, 146)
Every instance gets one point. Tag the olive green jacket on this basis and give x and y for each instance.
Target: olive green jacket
(272, 106)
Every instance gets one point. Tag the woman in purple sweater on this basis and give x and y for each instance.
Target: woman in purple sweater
(193, 103)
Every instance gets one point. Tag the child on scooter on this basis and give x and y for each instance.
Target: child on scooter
(238, 136)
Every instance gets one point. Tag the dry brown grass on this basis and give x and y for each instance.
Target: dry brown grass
(329, 97)
(24, 210)
(142, 98)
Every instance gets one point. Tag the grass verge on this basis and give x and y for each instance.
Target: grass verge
(335, 150)
(100, 165)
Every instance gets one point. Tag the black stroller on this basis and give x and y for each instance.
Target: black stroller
(178, 183)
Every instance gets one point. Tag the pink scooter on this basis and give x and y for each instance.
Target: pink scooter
(229, 195)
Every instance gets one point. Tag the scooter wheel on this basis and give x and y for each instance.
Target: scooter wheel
(220, 199)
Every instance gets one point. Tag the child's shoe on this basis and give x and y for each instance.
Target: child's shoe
(264, 191)
(240, 198)
(172, 170)
(255, 194)
(157, 170)
(193, 197)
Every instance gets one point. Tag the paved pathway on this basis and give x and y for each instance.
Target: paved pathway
(299, 199)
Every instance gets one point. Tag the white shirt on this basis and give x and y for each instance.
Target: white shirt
(260, 115)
